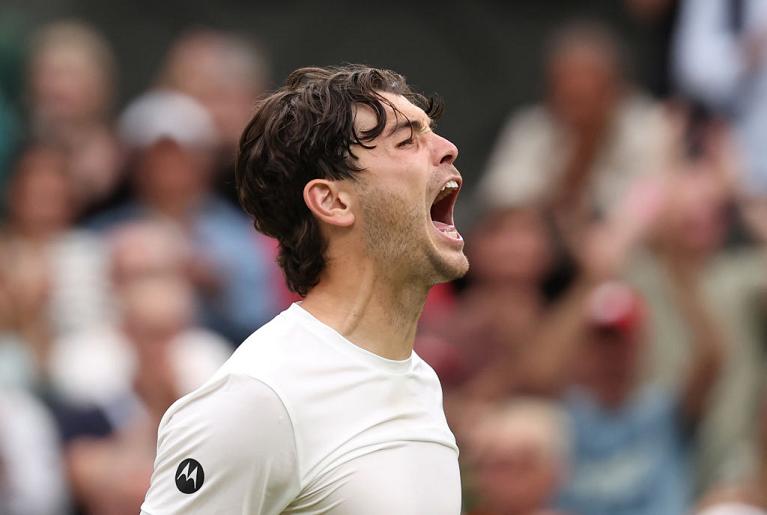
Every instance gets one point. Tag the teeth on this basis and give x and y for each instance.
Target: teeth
(451, 184)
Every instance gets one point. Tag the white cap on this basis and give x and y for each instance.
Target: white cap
(166, 114)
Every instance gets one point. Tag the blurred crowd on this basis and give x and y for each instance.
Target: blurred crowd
(605, 355)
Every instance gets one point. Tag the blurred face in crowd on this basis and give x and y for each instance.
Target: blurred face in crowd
(170, 177)
(221, 74)
(406, 195)
(68, 84)
(610, 363)
(696, 221)
(146, 249)
(154, 311)
(517, 471)
(583, 85)
(41, 197)
(511, 246)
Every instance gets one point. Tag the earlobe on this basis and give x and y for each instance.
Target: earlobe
(328, 202)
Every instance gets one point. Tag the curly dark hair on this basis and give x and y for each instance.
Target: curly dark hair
(305, 131)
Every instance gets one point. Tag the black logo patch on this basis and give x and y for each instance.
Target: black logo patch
(189, 476)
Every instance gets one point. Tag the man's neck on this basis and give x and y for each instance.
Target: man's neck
(368, 308)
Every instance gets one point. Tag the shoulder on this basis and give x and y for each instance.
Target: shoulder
(230, 406)
(535, 118)
(277, 347)
(642, 118)
(231, 444)
(424, 370)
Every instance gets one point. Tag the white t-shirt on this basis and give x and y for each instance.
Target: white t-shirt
(300, 420)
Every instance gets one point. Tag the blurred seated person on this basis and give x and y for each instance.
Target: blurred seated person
(170, 137)
(38, 238)
(227, 74)
(70, 93)
(133, 373)
(155, 328)
(517, 457)
(32, 480)
(578, 151)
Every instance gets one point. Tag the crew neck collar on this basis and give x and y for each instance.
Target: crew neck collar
(333, 337)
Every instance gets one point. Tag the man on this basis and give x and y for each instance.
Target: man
(580, 150)
(631, 438)
(326, 409)
(518, 453)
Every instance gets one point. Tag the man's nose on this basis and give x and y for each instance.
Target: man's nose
(445, 152)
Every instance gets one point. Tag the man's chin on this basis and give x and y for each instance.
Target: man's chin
(452, 268)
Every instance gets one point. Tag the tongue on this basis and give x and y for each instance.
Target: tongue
(443, 226)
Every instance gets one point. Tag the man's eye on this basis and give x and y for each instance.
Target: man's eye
(405, 143)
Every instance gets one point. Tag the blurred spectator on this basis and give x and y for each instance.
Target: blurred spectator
(71, 85)
(222, 71)
(515, 318)
(31, 469)
(518, 457)
(721, 59)
(171, 138)
(102, 365)
(582, 149)
(133, 372)
(503, 303)
(630, 448)
(54, 275)
(687, 254)
(227, 74)
(147, 248)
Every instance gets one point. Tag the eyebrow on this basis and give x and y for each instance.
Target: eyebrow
(416, 126)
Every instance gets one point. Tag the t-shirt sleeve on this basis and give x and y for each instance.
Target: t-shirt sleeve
(228, 449)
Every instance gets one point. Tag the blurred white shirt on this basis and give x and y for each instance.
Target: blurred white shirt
(97, 367)
(530, 154)
(31, 470)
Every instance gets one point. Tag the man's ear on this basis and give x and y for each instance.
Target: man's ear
(330, 202)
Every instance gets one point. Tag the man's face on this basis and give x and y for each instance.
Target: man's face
(583, 86)
(407, 192)
(610, 364)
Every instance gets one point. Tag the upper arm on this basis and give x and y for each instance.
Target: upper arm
(241, 439)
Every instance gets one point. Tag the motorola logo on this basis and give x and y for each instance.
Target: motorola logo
(189, 476)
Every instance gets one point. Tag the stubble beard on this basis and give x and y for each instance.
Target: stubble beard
(395, 237)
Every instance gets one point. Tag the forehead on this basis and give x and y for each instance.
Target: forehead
(365, 118)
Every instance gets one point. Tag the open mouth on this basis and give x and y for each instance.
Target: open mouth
(442, 209)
